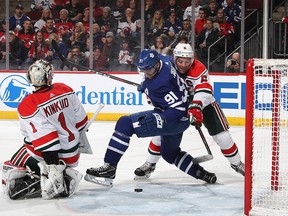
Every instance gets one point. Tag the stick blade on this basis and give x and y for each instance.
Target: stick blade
(203, 158)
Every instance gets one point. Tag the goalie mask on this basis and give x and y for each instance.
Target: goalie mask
(40, 73)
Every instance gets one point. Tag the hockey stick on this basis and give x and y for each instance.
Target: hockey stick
(67, 61)
(100, 106)
(207, 157)
(84, 146)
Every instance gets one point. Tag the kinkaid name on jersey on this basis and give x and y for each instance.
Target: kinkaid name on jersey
(115, 97)
(56, 107)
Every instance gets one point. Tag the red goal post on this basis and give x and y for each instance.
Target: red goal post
(266, 138)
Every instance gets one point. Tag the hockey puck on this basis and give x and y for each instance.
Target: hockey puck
(138, 190)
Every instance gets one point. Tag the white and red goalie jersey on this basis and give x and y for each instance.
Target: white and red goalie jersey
(51, 120)
(198, 81)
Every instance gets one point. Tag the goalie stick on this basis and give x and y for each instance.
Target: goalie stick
(67, 61)
(100, 106)
(84, 146)
(207, 157)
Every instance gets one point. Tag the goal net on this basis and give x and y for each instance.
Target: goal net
(266, 150)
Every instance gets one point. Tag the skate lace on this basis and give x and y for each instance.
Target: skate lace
(103, 167)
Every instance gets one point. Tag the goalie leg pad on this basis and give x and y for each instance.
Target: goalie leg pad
(9, 175)
(52, 180)
(19, 182)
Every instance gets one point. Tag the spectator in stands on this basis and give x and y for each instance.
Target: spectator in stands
(188, 10)
(118, 11)
(58, 6)
(172, 6)
(38, 50)
(223, 3)
(154, 27)
(211, 11)
(160, 47)
(86, 19)
(112, 48)
(52, 57)
(125, 57)
(172, 26)
(134, 7)
(42, 21)
(16, 21)
(40, 5)
(225, 28)
(233, 15)
(150, 8)
(185, 32)
(17, 53)
(100, 60)
(107, 21)
(49, 28)
(78, 57)
(27, 34)
(233, 64)
(64, 25)
(233, 12)
(129, 27)
(78, 37)
(97, 36)
(207, 37)
(97, 10)
(200, 22)
(2, 33)
(75, 10)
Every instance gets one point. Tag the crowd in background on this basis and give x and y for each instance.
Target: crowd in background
(116, 31)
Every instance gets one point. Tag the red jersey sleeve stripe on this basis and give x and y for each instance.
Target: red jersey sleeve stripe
(82, 123)
(44, 140)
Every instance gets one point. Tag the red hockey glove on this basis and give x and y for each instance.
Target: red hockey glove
(195, 113)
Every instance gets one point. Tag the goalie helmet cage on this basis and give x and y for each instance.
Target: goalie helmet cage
(266, 138)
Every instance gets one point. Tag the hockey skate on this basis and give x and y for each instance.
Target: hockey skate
(239, 168)
(207, 176)
(96, 175)
(143, 172)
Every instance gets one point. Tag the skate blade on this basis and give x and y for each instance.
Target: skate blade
(107, 182)
(142, 178)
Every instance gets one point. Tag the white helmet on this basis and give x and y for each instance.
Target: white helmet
(183, 50)
(40, 73)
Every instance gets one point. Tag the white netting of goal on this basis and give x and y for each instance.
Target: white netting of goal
(270, 138)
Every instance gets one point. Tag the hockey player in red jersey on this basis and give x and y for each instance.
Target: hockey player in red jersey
(51, 120)
(204, 108)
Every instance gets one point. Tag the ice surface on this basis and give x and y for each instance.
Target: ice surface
(169, 191)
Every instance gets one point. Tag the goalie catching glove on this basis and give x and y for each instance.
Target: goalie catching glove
(195, 113)
(152, 121)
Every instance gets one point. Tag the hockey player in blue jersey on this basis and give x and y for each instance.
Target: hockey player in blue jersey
(168, 95)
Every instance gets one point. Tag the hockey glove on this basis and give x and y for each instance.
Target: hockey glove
(152, 121)
(52, 180)
(195, 113)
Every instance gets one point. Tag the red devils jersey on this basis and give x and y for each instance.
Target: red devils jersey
(51, 120)
(198, 82)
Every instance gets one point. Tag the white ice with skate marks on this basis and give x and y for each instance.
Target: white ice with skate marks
(169, 191)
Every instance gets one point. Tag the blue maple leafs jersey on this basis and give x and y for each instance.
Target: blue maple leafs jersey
(167, 91)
